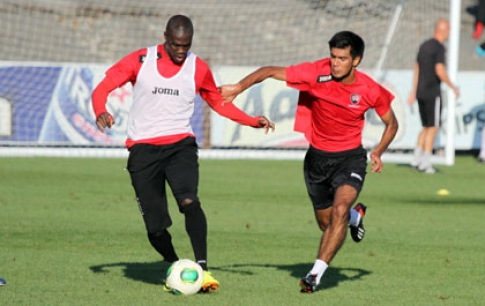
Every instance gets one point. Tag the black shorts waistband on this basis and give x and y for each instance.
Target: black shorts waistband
(352, 152)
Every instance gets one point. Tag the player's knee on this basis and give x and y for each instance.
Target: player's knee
(340, 213)
(157, 235)
(322, 225)
(188, 206)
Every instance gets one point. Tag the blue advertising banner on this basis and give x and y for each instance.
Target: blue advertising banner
(25, 96)
(52, 106)
(48, 105)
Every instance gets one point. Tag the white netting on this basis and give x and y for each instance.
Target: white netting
(228, 32)
(43, 40)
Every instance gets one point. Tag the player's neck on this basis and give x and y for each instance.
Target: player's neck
(347, 79)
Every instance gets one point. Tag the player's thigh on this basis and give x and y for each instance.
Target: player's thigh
(148, 181)
(182, 171)
(349, 176)
(146, 170)
(430, 111)
(316, 173)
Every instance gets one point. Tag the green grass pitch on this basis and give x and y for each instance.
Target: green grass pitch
(71, 234)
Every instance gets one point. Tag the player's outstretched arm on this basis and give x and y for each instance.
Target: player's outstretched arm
(212, 95)
(229, 92)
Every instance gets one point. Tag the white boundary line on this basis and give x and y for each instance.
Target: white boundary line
(222, 154)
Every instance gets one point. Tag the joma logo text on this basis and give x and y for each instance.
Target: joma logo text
(165, 91)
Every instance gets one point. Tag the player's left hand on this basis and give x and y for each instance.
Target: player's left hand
(376, 162)
(266, 124)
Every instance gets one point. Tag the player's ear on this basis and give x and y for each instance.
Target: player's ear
(356, 61)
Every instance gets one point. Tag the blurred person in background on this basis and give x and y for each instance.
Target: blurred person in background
(429, 73)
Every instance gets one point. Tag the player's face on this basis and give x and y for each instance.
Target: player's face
(177, 44)
(343, 65)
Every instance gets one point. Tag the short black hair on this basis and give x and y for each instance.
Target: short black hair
(179, 23)
(345, 39)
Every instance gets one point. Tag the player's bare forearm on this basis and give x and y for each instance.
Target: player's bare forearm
(440, 70)
(388, 135)
(261, 74)
(229, 92)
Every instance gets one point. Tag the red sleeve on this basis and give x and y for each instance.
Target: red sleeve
(207, 88)
(383, 100)
(126, 70)
(100, 95)
(118, 75)
(304, 76)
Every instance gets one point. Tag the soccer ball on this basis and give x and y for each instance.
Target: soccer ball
(185, 277)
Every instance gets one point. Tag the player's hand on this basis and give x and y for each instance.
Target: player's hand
(104, 120)
(229, 92)
(376, 162)
(457, 92)
(266, 124)
(411, 98)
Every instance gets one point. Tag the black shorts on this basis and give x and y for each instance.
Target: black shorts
(324, 172)
(430, 111)
(151, 166)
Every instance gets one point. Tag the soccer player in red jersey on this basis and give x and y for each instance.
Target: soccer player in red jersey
(333, 99)
(166, 79)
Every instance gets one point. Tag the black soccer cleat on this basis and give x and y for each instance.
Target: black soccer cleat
(308, 284)
(357, 232)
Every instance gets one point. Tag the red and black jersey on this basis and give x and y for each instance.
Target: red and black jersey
(330, 113)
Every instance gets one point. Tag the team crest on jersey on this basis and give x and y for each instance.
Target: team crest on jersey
(324, 78)
(355, 99)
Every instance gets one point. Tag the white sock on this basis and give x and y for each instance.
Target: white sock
(319, 268)
(425, 161)
(354, 217)
(418, 152)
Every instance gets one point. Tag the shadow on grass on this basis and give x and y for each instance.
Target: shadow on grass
(154, 272)
(331, 278)
(147, 272)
